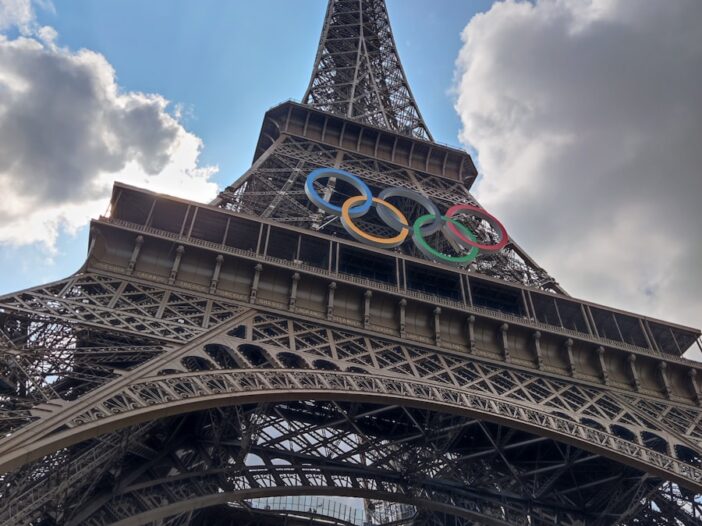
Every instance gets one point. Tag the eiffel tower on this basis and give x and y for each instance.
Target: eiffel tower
(250, 361)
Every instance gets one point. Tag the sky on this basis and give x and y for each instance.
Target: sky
(583, 116)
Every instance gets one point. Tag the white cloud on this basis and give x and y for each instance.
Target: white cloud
(67, 131)
(587, 118)
(16, 13)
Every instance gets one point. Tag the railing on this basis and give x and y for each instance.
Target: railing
(386, 130)
(393, 515)
(430, 298)
(331, 510)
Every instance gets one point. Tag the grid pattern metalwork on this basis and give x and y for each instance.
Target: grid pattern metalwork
(357, 71)
(233, 388)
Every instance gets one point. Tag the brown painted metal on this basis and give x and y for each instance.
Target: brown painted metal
(212, 354)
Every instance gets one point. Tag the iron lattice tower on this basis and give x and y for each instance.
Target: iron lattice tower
(206, 357)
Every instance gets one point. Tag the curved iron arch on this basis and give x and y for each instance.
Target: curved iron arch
(494, 509)
(155, 397)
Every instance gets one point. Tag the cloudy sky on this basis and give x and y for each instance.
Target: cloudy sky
(584, 117)
(587, 117)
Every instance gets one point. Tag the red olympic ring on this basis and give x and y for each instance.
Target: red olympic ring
(482, 214)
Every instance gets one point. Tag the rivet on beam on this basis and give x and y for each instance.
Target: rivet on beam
(403, 305)
(135, 254)
(254, 284)
(293, 291)
(692, 373)
(176, 264)
(537, 349)
(634, 373)
(330, 300)
(663, 371)
(437, 326)
(568, 344)
(471, 333)
(603, 366)
(215, 274)
(505, 344)
(367, 295)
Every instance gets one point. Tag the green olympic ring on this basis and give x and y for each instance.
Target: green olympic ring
(431, 253)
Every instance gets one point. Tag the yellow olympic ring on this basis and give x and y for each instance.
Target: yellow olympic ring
(360, 235)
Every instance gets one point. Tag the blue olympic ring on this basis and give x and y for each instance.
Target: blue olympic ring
(358, 184)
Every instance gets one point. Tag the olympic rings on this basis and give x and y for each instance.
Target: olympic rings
(425, 225)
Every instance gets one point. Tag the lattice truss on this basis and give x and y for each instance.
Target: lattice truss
(274, 188)
(438, 460)
(62, 340)
(357, 71)
(151, 402)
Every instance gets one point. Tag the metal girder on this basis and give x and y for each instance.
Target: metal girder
(275, 337)
(62, 340)
(129, 396)
(202, 461)
(357, 71)
(394, 436)
(274, 465)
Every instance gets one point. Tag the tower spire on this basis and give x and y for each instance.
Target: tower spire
(357, 71)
